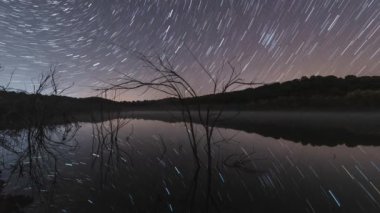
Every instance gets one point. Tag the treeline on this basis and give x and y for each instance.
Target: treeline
(17, 107)
(314, 93)
(307, 93)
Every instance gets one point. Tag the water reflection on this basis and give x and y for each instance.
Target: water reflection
(131, 165)
(13, 203)
(108, 156)
(350, 129)
(30, 161)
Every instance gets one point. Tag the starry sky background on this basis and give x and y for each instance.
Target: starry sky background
(269, 40)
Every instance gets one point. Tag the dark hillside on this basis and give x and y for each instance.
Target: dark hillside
(16, 108)
(314, 93)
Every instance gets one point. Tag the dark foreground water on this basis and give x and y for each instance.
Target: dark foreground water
(148, 166)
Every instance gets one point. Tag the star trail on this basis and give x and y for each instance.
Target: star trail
(268, 40)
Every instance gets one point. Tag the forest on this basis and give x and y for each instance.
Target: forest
(316, 93)
(307, 93)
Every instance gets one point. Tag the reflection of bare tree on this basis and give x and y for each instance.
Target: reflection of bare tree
(107, 154)
(44, 146)
(36, 152)
(241, 162)
(167, 80)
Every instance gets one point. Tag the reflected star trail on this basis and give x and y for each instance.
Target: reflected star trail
(269, 40)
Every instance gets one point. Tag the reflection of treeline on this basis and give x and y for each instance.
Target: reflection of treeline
(316, 92)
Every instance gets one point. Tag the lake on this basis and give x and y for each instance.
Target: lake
(297, 162)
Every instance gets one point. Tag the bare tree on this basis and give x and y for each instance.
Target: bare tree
(168, 81)
(6, 87)
(47, 82)
(50, 82)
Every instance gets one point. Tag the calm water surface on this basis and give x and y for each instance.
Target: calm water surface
(148, 166)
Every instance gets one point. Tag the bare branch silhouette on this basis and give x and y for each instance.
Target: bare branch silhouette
(49, 81)
(166, 80)
(7, 87)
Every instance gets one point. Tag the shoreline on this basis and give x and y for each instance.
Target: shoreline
(315, 128)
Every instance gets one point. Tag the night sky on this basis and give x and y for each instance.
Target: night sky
(270, 40)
